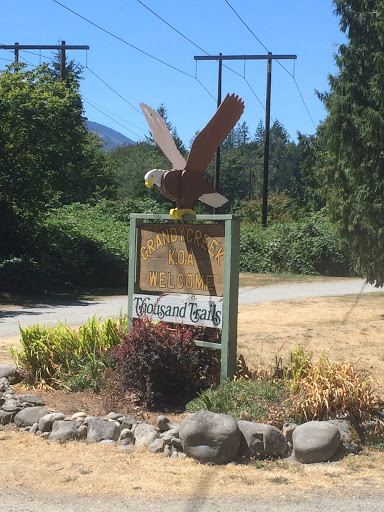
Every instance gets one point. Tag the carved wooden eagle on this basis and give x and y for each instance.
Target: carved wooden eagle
(184, 183)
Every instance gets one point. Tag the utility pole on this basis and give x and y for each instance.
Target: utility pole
(16, 53)
(62, 62)
(61, 47)
(269, 59)
(217, 168)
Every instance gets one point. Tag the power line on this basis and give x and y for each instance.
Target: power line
(115, 115)
(114, 120)
(305, 105)
(170, 26)
(285, 69)
(241, 19)
(202, 49)
(112, 89)
(123, 40)
(38, 55)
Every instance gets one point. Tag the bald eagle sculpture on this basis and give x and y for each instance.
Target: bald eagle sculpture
(184, 183)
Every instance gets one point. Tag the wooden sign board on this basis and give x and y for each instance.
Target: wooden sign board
(182, 258)
(180, 308)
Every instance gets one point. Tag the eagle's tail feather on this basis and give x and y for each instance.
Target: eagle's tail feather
(215, 200)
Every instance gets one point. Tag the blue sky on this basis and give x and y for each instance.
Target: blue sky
(306, 28)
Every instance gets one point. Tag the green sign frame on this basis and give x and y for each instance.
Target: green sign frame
(228, 344)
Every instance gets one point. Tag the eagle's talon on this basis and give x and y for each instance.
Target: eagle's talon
(178, 213)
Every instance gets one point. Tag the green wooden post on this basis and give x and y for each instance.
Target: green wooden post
(230, 300)
(132, 286)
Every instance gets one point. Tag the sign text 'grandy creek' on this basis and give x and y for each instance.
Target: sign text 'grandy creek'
(183, 258)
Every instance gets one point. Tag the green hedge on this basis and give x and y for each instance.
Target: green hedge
(78, 245)
(81, 245)
(310, 246)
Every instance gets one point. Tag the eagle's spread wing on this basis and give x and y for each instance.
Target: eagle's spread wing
(209, 139)
(162, 136)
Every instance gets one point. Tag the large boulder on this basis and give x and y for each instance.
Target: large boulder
(30, 415)
(315, 441)
(209, 437)
(100, 429)
(145, 434)
(64, 431)
(259, 439)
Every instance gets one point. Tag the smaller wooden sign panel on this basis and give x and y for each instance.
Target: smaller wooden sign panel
(180, 308)
(182, 258)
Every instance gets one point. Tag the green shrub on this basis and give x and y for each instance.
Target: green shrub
(279, 209)
(243, 399)
(77, 245)
(68, 358)
(307, 247)
(162, 364)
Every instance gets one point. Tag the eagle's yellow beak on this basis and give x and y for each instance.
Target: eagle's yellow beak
(149, 182)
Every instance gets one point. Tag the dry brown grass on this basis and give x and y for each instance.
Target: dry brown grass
(347, 328)
(104, 470)
(247, 279)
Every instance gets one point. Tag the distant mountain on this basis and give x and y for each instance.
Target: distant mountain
(112, 138)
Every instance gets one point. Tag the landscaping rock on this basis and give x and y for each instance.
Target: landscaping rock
(288, 429)
(210, 437)
(126, 436)
(259, 439)
(145, 434)
(63, 431)
(46, 422)
(12, 405)
(34, 428)
(79, 416)
(6, 417)
(167, 451)
(129, 422)
(164, 424)
(168, 435)
(83, 431)
(350, 441)
(4, 384)
(30, 415)
(7, 371)
(157, 446)
(33, 400)
(114, 416)
(315, 441)
(100, 429)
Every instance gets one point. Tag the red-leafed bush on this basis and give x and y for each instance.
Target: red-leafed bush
(162, 365)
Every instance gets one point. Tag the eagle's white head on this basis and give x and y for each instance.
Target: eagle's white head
(153, 177)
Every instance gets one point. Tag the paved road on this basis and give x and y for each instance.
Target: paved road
(79, 311)
(27, 502)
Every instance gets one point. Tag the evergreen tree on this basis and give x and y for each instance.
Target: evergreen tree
(259, 134)
(179, 143)
(353, 136)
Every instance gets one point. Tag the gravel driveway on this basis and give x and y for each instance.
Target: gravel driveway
(22, 502)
